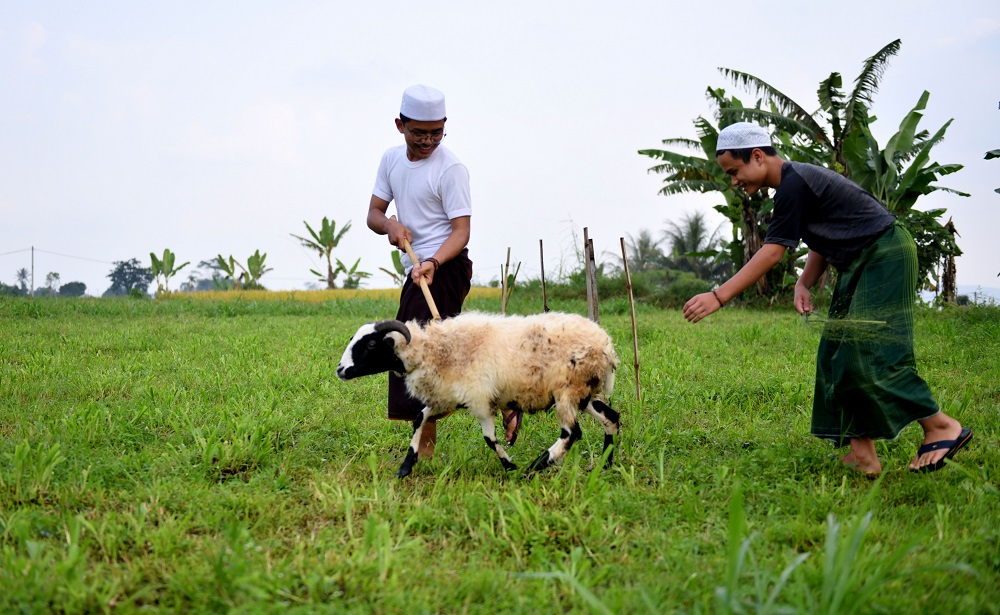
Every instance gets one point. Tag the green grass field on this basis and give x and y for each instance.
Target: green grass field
(201, 456)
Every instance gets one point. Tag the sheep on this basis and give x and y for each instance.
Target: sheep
(482, 362)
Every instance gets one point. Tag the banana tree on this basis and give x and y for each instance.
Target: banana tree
(990, 155)
(842, 113)
(354, 276)
(165, 267)
(324, 242)
(899, 174)
(255, 269)
(994, 153)
(399, 275)
(230, 268)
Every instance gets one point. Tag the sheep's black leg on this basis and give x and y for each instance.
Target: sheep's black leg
(490, 435)
(569, 435)
(609, 419)
(408, 463)
(411, 455)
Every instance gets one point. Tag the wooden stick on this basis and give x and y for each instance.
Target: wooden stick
(512, 283)
(586, 275)
(507, 283)
(503, 284)
(635, 336)
(503, 291)
(592, 267)
(423, 283)
(541, 258)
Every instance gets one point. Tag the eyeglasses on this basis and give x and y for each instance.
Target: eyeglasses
(433, 137)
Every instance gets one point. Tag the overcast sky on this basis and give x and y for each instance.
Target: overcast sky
(218, 127)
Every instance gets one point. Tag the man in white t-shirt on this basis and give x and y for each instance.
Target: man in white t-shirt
(430, 187)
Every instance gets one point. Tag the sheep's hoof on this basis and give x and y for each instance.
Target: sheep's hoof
(508, 465)
(541, 463)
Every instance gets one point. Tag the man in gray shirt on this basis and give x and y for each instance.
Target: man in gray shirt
(867, 386)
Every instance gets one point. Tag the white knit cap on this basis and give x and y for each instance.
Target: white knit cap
(743, 135)
(422, 103)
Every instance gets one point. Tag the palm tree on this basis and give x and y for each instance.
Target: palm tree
(695, 249)
(700, 173)
(644, 252)
(324, 242)
(23, 275)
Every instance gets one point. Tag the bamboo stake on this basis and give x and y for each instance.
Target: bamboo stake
(423, 283)
(513, 280)
(593, 281)
(635, 336)
(503, 292)
(587, 273)
(541, 258)
(503, 284)
(507, 283)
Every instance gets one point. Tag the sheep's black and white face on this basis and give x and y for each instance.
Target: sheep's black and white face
(372, 350)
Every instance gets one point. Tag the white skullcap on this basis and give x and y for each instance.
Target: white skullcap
(743, 135)
(422, 103)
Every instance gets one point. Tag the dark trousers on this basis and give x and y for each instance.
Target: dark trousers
(452, 282)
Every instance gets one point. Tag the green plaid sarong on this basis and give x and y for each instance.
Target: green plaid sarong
(866, 376)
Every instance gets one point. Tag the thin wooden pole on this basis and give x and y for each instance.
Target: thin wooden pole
(635, 336)
(593, 281)
(587, 273)
(503, 290)
(512, 283)
(541, 259)
(423, 283)
(503, 284)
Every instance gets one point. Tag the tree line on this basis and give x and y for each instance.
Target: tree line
(52, 287)
(686, 258)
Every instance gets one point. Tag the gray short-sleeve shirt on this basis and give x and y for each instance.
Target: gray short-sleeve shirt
(831, 214)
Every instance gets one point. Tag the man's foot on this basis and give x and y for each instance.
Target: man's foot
(938, 445)
(863, 458)
(428, 437)
(512, 418)
(938, 428)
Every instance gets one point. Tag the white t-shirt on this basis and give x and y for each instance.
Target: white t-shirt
(428, 193)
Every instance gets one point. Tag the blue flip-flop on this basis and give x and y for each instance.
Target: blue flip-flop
(952, 445)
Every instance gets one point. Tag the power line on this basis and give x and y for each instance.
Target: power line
(82, 258)
(16, 251)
